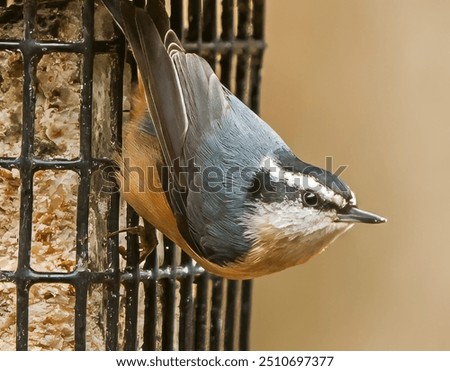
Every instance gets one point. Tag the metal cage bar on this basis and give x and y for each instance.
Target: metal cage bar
(26, 172)
(168, 303)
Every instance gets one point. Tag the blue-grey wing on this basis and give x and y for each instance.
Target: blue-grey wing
(226, 142)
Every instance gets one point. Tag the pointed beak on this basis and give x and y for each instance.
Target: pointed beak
(355, 215)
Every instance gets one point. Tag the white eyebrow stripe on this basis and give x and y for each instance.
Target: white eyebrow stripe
(304, 182)
(274, 170)
(353, 201)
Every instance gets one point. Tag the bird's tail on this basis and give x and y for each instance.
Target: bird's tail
(150, 37)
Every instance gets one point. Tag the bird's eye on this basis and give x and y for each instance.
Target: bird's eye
(310, 199)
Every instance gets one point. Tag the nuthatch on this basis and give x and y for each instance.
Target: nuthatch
(209, 173)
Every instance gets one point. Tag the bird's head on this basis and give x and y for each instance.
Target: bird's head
(296, 210)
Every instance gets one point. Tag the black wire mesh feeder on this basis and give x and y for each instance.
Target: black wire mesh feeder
(65, 88)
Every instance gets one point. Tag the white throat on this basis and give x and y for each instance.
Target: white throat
(287, 234)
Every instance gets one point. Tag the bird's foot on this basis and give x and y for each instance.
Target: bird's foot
(147, 236)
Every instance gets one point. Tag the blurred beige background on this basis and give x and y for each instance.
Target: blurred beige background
(367, 82)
